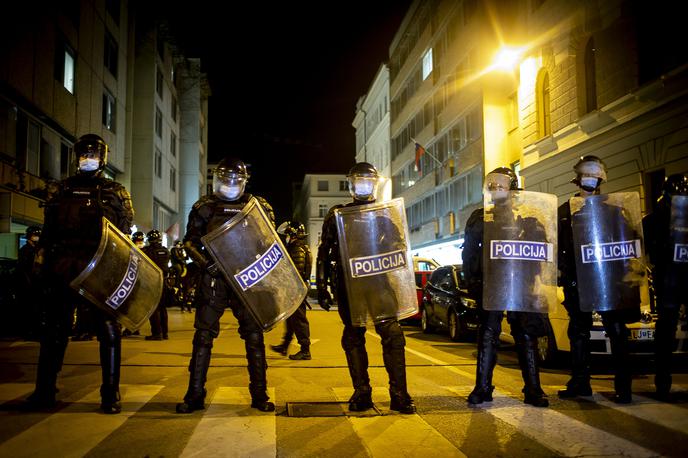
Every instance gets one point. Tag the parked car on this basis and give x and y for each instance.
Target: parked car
(447, 305)
(422, 268)
(641, 338)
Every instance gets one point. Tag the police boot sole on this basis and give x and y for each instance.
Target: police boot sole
(405, 408)
(184, 407)
(263, 406)
(569, 393)
(300, 356)
(536, 401)
(111, 408)
(360, 406)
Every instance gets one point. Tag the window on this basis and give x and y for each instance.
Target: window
(158, 82)
(173, 144)
(110, 54)
(173, 179)
(427, 64)
(109, 105)
(590, 83)
(543, 105)
(158, 122)
(323, 185)
(173, 109)
(322, 210)
(344, 185)
(516, 167)
(65, 61)
(158, 163)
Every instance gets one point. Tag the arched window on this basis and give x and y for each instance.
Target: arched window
(543, 105)
(590, 82)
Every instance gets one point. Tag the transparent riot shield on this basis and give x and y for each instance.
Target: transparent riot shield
(678, 227)
(519, 252)
(608, 242)
(121, 279)
(256, 264)
(378, 268)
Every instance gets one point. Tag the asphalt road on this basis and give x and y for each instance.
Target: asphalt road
(440, 375)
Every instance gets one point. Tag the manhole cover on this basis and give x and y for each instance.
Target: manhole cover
(327, 409)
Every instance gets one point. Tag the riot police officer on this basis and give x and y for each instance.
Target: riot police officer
(210, 212)
(363, 179)
(591, 172)
(27, 282)
(666, 241)
(71, 235)
(139, 239)
(161, 257)
(526, 327)
(178, 274)
(297, 324)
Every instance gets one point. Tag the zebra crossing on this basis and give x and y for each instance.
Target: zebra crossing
(228, 427)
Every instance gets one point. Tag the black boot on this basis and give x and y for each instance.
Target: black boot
(303, 354)
(579, 384)
(281, 348)
(257, 372)
(487, 358)
(198, 369)
(618, 339)
(110, 358)
(528, 360)
(395, 362)
(357, 360)
(49, 365)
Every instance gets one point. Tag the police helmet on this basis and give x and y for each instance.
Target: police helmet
(501, 179)
(33, 230)
(588, 168)
(295, 229)
(178, 244)
(229, 178)
(154, 236)
(137, 236)
(363, 181)
(674, 185)
(91, 152)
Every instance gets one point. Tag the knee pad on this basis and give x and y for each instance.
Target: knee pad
(391, 334)
(353, 337)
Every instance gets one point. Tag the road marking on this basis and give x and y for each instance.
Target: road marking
(396, 434)
(558, 432)
(10, 391)
(660, 413)
(230, 427)
(79, 427)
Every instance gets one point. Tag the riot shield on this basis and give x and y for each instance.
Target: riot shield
(121, 279)
(608, 243)
(378, 268)
(253, 260)
(519, 255)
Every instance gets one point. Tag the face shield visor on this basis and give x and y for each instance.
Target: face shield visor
(91, 157)
(590, 175)
(363, 187)
(497, 185)
(228, 186)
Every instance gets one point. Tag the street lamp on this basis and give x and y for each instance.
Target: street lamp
(506, 59)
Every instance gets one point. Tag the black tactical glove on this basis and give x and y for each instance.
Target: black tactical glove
(213, 269)
(325, 299)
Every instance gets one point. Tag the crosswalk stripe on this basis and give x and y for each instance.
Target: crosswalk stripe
(399, 435)
(651, 410)
(10, 391)
(231, 428)
(558, 432)
(73, 435)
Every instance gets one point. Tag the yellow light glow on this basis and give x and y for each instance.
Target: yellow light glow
(507, 58)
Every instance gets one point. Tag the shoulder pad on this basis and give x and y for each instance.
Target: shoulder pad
(202, 201)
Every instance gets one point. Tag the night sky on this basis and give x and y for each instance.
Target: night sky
(285, 79)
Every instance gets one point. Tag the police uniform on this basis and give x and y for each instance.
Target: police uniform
(526, 327)
(330, 271)
(70, 237)
(580, 323)
(209, 213)
(158, 319)
(297, 323)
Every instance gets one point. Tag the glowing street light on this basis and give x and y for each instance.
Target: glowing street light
(506, 59)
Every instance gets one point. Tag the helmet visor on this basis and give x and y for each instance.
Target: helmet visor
(228, 186)
(363, 187)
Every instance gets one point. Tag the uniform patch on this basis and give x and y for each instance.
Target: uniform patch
(521, 250)
(377, 264)
(612, 251)
(126, 286)
(260, 268)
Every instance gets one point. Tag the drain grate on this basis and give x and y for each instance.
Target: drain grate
(327, 409)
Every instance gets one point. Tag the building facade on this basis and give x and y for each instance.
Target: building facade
(586, 78)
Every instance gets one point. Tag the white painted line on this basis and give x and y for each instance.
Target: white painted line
(396, 434)
(660, 413)
(10, 391)
(558, 432)
(231, 428)
(74, 431)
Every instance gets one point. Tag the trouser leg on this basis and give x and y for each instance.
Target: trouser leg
(110, 343)
(578, 332)
(353, 343)
(618, 338)
(393, 344)
(488, 342)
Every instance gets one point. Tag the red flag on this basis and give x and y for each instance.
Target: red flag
(419, 152)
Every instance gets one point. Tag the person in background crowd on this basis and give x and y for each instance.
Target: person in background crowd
(161, 257)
